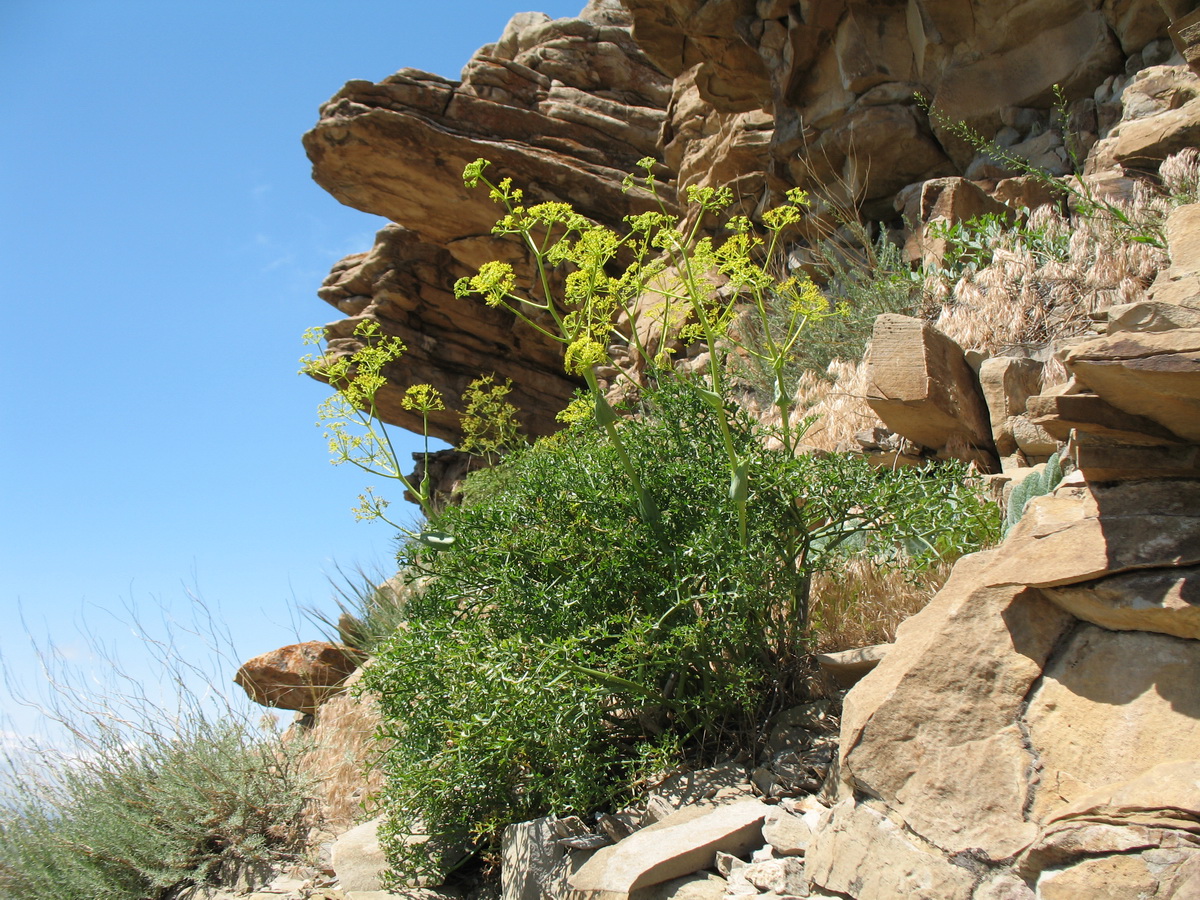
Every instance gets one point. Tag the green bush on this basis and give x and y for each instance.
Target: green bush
(564, 642)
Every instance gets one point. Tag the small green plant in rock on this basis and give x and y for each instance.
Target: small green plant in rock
(1035, 485)
(1148, 229)
(971, 245)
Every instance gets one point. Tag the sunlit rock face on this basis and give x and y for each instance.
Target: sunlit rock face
(756, 96)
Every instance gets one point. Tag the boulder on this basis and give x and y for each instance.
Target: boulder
(1122, 840)
(535, 862)
(932, 731)
(299, 676)
(787, 833)
(860, 852)
(1004, 675)
(1110, 706)
(1007, 384)
(1164, 601)
(921, 386)
(359, 859)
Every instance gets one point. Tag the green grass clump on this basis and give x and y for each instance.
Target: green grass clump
(564, 642)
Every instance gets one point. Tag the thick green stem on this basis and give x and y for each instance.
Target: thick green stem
(608, 421)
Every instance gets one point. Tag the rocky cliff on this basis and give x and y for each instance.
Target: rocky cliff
(1033, 732)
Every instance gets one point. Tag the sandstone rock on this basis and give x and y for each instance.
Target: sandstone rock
(689, 887)
(1110, 707)
(847, 667)
(951, 199)
(1069, 53)
(1183, 239)
(405, 284)
(1155, 315)
(933, 732)
(1004, 887)
(1080, 533)
(1031, 439)
(1026, 192)
(1156, 375)
(680, 844)
(1185, 32)
(779, 876)
(922, 388)
(859, 852)
(358, 858)
(299, 676)
(1068, 407)
(568, 107)
(1165, 601)
(1146, 142)
(535, 863)
(1147, 875)
(1007, 384)
(787, 834)
(678, 34)
(1102, 459)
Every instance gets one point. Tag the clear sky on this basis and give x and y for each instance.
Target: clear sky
(161, 244)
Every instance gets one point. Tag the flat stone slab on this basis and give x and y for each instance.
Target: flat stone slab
(682, 843)
(847, 667)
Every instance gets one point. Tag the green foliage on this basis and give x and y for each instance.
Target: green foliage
(1035, 485)
(681, 268)
(131, 819)
(971, 245)
(350, 416)
(564, 643)
(874, 281)
(1148, 229)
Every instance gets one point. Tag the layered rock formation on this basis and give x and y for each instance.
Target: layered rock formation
(569, 106)
(1032, 733)
(758, 97)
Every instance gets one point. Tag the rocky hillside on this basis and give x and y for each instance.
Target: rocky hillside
(1032, 733)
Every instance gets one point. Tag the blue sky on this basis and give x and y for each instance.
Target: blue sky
(161, 243)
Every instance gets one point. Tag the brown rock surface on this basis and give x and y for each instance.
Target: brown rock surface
(1153, 374)
(932, 732)
(1109, 707)
(922, 388)
(406, 284)
(298, 676)
(678, 845)
(1165, 601)
(859, 852)
(566, 107)
(1002, 727)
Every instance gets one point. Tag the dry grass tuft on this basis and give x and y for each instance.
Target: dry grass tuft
(1027, 295)
(863, 603)
(341, 759)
